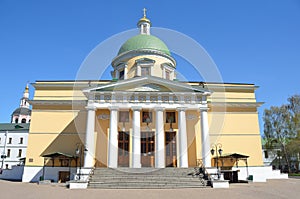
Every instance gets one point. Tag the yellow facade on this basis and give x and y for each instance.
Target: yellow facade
(59, 127)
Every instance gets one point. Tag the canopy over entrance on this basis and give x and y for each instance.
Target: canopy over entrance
(57, 154)
(59, 159)
(231, 159)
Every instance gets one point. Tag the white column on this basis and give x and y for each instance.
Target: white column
(205, 138)
(125, 71)
(113, 138)
(89, 148)
(163, 72)
(138, 70)
(159, 139)
(182, 154)
(136, 138)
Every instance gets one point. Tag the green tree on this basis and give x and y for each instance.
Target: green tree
(294, 108)
(282, 127)
(276, 128)
(294, 146)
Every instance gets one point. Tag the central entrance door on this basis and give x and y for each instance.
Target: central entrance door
(147, 148)
(171, 155)
(123, 149)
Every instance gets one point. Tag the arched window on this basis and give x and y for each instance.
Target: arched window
(23, 120)
(16, 120)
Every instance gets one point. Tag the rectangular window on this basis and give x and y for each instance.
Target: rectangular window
(21, 141)
(124, 116)
(9, 140)
(167, 74)
(170, 117)
(147, 117)
(8, 153)
(144, 28)
(145, 71)
(20, 153)
(121, 74)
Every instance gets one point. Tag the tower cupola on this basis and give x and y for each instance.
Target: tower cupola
(144, 24)
(23, 113)
(144, 55)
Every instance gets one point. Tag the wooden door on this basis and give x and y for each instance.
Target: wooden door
(63, 176)
(147, 148)
(123, 144)
(171, 154)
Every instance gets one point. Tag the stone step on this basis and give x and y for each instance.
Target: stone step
(139, 170)
(144, 185)
(144, 172)
(145, 181)
(144, 178)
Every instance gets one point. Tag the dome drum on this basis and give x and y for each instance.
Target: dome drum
(140, 52)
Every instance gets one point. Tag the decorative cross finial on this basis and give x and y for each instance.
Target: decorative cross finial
(144, 12)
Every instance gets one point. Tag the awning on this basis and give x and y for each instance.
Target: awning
(57, 154)
(234, 155)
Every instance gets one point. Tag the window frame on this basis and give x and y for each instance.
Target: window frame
(8, 153)
(20, 153)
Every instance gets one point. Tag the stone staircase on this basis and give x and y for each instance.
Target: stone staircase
(144, 178)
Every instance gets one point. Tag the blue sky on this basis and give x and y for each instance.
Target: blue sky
(251, 41)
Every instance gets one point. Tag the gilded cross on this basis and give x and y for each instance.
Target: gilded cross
(144, 12)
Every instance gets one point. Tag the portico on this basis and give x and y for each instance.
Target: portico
(147, 145)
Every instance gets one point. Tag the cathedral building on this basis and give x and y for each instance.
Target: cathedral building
(143, 117)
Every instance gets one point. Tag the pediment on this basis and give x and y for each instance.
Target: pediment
(147, 84)
(146, 88)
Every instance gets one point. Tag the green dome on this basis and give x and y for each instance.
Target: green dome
(144, 42)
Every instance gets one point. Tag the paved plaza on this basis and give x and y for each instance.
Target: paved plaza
(273, 189)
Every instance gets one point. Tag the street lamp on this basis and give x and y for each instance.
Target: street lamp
(78, 153)
(217, 147)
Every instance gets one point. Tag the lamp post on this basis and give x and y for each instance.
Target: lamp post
(218, 149)
(78, 153)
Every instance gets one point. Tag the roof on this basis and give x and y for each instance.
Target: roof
(233, 155)
(57, 154)
(142, 41)
(22, 111)
(14, 126)
(147, 84)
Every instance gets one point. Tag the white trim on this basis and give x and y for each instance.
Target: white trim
(150, 79)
